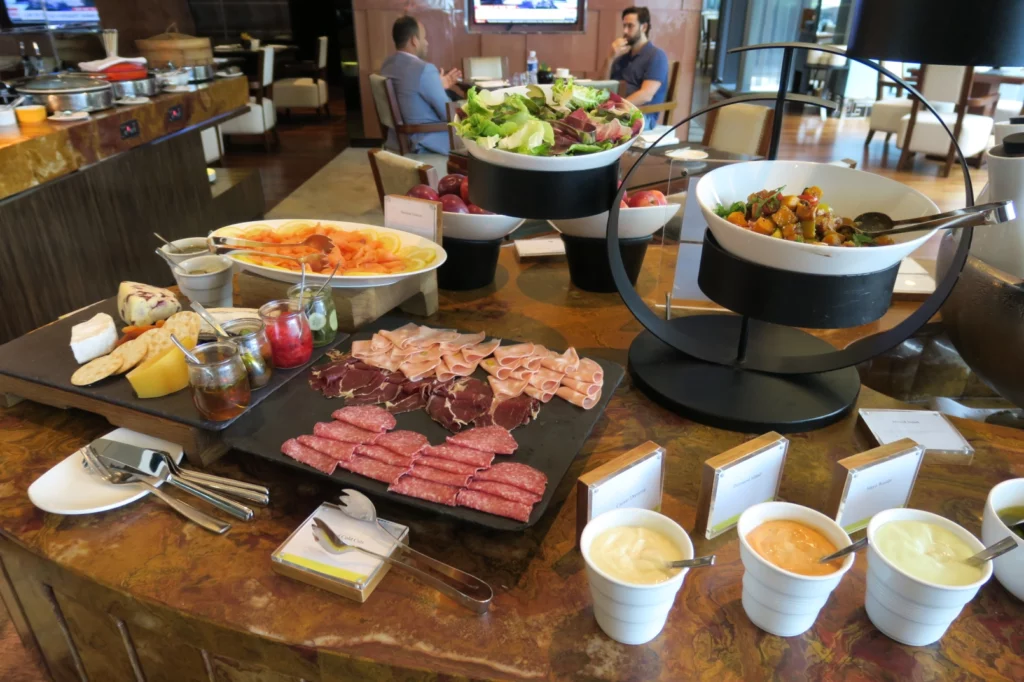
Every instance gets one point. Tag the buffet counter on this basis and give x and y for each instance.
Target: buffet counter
(139, 593)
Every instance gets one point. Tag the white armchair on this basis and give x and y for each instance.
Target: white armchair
(306, 92)
(261, 119)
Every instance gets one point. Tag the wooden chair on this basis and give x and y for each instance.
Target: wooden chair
(389, 115)
(261, 119)
(740, 129)
(308, 88)
(456, 164)
(669, 105)
(394, 174)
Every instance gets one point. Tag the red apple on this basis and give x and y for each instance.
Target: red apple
(423, 192)
(450, 203)
(647, 197)
(476, 210)
(464, 190)
(623, 204)
(450, 184)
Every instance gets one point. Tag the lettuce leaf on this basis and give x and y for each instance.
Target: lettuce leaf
(590, 148)
(530, 136)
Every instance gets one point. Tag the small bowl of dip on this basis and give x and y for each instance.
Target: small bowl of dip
(632, 591)
(188, 248)
(1005, 505)
(207, 279)
(917, 580)
(784, 586)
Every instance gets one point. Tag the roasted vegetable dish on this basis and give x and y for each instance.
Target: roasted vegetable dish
(800, 217)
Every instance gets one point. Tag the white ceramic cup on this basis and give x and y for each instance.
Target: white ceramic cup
(1009, 568)
(190, 242)
(776, 600)
(214, 289)
(7, 117)
(561, 73)
(909, 610)
(633, 614)
(254, 44)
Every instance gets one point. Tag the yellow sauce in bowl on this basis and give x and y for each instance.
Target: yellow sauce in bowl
(793, 547)
(927, 551)
(635, 555)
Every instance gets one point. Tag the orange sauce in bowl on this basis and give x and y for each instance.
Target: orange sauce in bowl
(794, 547)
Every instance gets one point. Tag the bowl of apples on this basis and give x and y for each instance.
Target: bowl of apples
(641, 214)
(462, 218)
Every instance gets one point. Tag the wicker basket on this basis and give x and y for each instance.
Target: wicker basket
(179, 48)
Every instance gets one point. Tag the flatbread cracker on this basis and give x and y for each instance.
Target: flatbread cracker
(157, 342)
(184, 325)
(131, 353)
(94, 371)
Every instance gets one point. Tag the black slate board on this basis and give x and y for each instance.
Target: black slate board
(549, 444)
(44, 357)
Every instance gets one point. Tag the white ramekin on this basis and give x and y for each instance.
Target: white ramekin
(188, 242)
(214, 289)
(1009, 568)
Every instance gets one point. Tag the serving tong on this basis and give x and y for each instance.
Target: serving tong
(875, 224)
(315, 241)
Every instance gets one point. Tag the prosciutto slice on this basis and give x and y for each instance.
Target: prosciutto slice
(480, 351)
(579, 399)
(513, 356)
(491, 366)
(565, 362)
(581, 387)
(546, 380)
(589, 372)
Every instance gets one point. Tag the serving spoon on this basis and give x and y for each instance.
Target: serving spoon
(698, 562)
(173, 246)
(315, 241)
(188, 354)
(315, 259)
(849, 549)
(210, 319)
(875, 224)
(992, 551)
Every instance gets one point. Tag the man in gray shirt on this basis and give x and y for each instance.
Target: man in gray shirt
(419, 85)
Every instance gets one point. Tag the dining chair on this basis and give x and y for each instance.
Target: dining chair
(389, 115)
(261, 118)
(924, 135)
(486, 68)
(740, 128)
(213, 144)
(823, 69)
(394, 174)
(305, 91)
(669, 105)
(887, 113)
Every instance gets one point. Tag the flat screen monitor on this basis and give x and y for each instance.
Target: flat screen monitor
(52, 12)
(526, 16)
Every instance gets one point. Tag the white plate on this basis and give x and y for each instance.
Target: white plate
(340, 281)
(477, 226)
(128, 101)
(70, 118)
(500, 157)
(641, 221)
(69, 488)
(225, 74)
(687, 155)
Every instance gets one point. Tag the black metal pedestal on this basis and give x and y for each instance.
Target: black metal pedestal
(730, 397)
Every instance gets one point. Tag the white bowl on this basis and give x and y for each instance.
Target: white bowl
(213, 289)
(1009, 568)
(633, 614)
(478, 226)
(909, 610)
(633, 222)
(184, 244)
(776, 600)
(850, 192)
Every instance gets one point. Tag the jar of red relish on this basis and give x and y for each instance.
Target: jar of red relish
(291, 341)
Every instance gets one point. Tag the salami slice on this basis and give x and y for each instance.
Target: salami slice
(366, 417)
(506, 491)
(513, 355)
(492, 504)
(344, 432)
(580, 387)
(487, 439)
(384, 455)
(425, 490)
(406, 443)
(491, 366)
(438, 476)
(301, 453)
(332, 448)
(577, 398)
(480, 351)
(372, 468)
(456, 453)
(450, 465)
(515, 474)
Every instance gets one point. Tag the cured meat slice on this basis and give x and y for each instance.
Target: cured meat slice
(546, 380)
(455, 405)
(366, 417)
(522, 373)
(387, 391)
(494, 439)
(398, 336)
(425, 490)
(406, 403)
(446, 465)
(301, 453)
(406, 443)
(513, 355)
(491, 366)
(509, 492)
(342, 379)
(509, 388)
(372, 468)
(432, 354)
(480, 351)
(515, 474)
(543, 396)
(456, 453)
(578, 399)
(363, 348)
(492, 504)
(344, 432)
(580, 387)
(568, 361)
(428, 336)
(510, 413)
(379, 343)
(589, 372)
(443, 373)
(439, 476)
(462, 341)
(533, 363)
(458, 365)
(415, 371)
(332, 448)
(384, 455)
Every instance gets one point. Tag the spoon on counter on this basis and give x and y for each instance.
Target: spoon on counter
(876, 224)
(210, 319)
(188, 354)
(992, 551)
(176, 249)
(849, 549)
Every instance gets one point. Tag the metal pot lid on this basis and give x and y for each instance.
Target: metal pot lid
(63, 85)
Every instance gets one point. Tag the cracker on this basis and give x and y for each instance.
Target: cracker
(94, 371)
(131, 353)
(157, 342)
(184, 325)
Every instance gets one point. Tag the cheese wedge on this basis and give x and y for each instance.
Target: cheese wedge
(93, 338)
(142, 304)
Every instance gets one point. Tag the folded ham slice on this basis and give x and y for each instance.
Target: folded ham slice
(443, 373)
(379, 343)
(581, 387)
(414, 371)
(522, 374)
(565, 362)
(589, 372)
(480, 351)
(512, 356)
(546, 380)
(363, 348)
(398, 336)
(579, 399)
(491, 366)
(509, 387)
(458, 365)
(462, 341)
(541, 395)
(533, 363)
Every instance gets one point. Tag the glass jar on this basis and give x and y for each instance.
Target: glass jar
(291, 341)
(323, 317)
(220, 384)
(250, 335)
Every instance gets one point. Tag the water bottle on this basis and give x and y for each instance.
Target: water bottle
(531, 68)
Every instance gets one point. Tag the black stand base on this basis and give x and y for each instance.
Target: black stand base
(471, 263)
(736, 399)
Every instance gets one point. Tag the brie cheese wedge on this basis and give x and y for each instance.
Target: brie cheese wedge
(93, 338)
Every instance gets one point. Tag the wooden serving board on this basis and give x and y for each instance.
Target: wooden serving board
(38, 366)
(550, 443)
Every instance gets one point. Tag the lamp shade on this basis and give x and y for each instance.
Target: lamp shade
(961, 32)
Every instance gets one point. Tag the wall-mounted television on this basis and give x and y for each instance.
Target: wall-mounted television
(526, 16)
(52, 12)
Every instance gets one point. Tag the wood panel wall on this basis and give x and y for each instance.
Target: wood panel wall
(136, 19)
(675, 29)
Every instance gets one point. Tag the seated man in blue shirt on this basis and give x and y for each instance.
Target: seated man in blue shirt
(419, 85)
(633, 58)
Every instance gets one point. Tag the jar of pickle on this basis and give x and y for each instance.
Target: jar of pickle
(323, 317)
(220, 383)
(250, 335)
(291, 341)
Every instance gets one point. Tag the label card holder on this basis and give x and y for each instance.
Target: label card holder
(932, 430)
(634, 479)
(873, 481)
(420, 217)
(737, 479)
